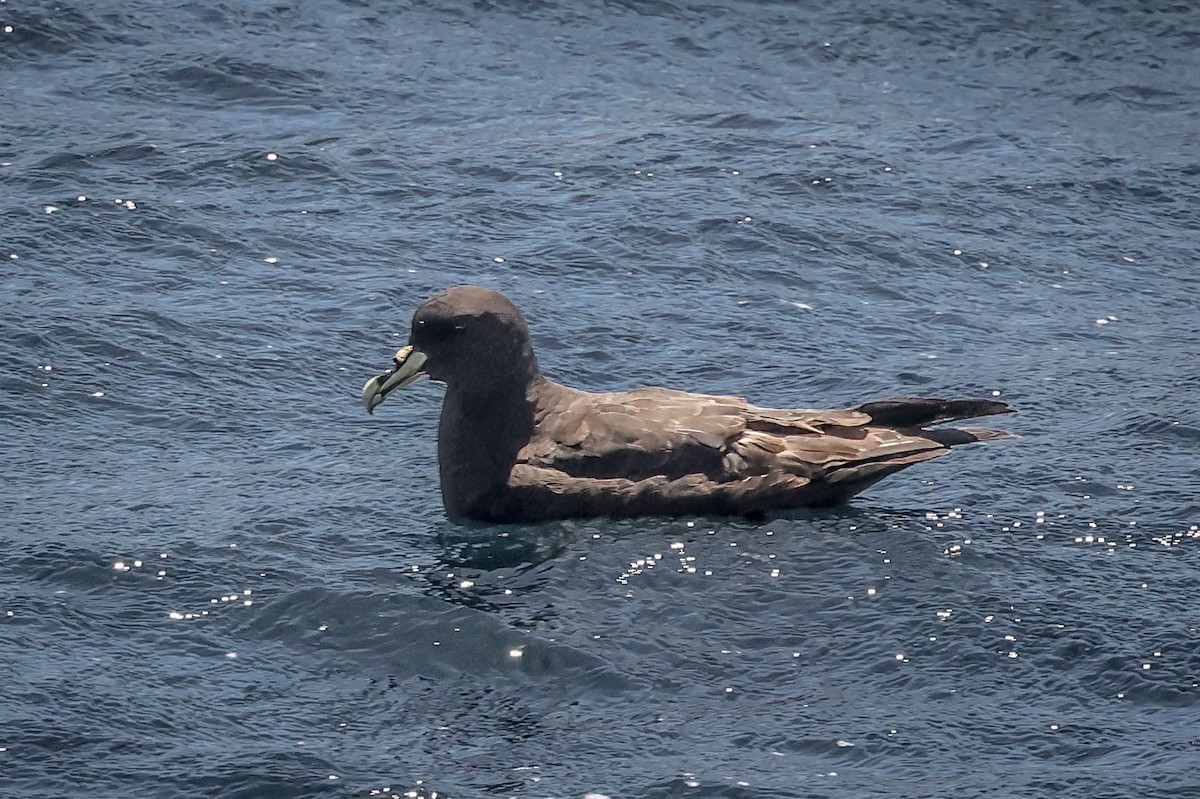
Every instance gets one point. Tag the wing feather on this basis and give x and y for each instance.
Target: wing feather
(660, 434)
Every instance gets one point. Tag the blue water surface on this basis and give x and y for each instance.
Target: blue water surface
(220, 578)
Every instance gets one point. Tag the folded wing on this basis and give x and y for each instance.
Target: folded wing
(662, 433)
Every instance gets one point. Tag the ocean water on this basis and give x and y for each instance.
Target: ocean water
(220, 578)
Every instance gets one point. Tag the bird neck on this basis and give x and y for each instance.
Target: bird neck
(479, 437)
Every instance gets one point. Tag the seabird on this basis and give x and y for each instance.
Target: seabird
(516, 447)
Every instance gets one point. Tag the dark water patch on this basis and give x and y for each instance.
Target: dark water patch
(230, 80)
(42, 35)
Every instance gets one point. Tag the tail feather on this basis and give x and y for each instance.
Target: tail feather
(907, 418)
(921, 411)
(953, 436)
(845, 481)
(851, 479)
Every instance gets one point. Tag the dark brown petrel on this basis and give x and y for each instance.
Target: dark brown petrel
(515, 447)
